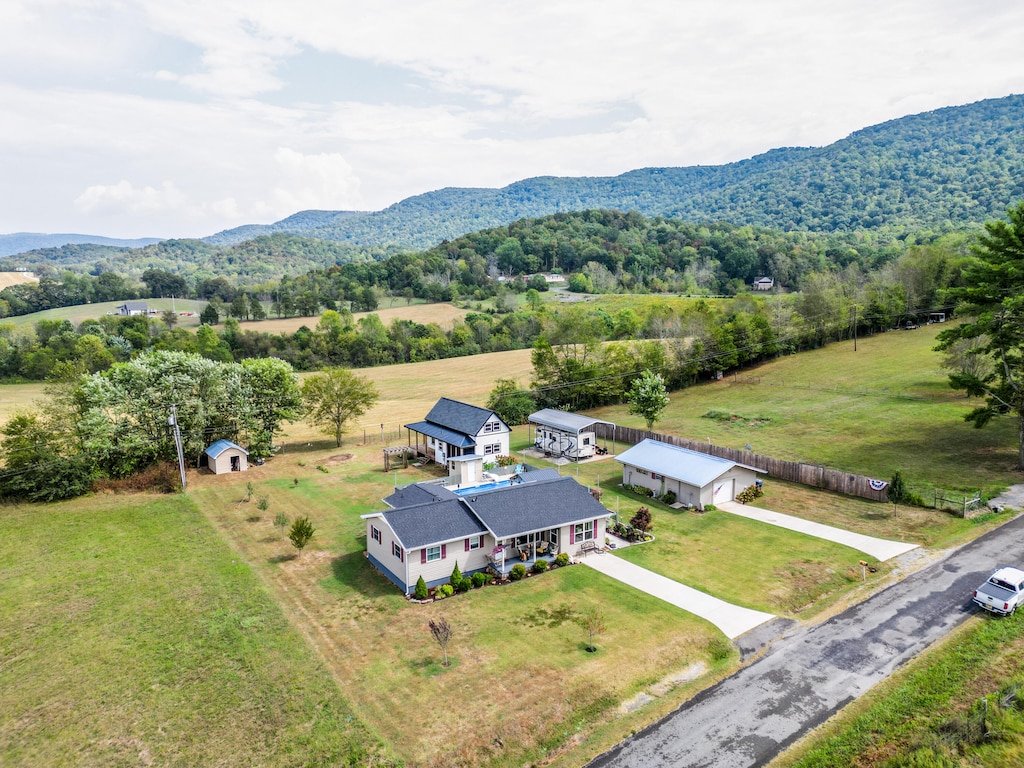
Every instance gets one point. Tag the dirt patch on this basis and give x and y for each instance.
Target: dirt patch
(338, 458)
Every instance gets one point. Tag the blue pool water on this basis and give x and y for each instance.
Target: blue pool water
(478, 488)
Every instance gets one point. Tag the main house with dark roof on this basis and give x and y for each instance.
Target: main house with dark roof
(454, 429)
(494, 524)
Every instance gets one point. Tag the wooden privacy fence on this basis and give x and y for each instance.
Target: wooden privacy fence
(793, 471)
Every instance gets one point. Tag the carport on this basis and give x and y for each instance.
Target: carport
(561, 433)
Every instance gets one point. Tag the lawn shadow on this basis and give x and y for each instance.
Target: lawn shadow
(277, 559)
(357, 573)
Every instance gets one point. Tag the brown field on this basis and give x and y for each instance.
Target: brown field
(7, 279)
(444, 315)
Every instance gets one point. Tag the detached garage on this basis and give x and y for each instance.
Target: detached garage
(697, 479)
(224, 456)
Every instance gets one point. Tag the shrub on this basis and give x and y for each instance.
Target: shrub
(719, 649)
(463, 585)
(669, 498)
(710, 507)
(642, 490)
(642, 520)
(914, 500)
(421, 593)
(562, 559)
(517, 572)
(322, 468)
(540, 566)
(749, 493)
(478, 579)
(445, 590)
(456, 576)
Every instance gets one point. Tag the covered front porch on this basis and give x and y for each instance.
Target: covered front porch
(525, 550)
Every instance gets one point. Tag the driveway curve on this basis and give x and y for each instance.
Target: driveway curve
(733, 620)
(881, 549)
(806, 676)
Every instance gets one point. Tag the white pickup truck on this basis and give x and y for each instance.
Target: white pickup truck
(1003, 591)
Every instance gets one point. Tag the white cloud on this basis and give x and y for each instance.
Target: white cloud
(187, 101)
(125, 197)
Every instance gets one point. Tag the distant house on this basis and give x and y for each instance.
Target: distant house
(560, 433)
(696, 478)
(224, 456)
(454, 429)
(764, 284)
(132, 308)
(493, 525)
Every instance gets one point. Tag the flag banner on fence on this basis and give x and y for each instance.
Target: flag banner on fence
(878, 485)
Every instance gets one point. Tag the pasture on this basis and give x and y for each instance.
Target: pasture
(131, 634)
(884, 407)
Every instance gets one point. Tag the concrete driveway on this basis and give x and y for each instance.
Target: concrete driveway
(732, 620)
(881, 549)
(806, 676)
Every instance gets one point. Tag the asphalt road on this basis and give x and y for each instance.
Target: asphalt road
(805, 677)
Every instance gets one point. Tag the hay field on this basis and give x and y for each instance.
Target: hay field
(7, 279)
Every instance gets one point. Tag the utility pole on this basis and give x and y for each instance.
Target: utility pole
(172, 421)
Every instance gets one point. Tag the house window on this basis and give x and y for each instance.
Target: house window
(375, 533)
(655, 475)
(433, 553)
(397, 551)
(642, 471)
(584, 531)
(474, 542)
(586, 441)
(490, 449)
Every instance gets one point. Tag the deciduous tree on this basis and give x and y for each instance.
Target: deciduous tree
(336, 396)
(648, 397)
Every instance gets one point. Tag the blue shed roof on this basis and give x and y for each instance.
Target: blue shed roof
(220, 446)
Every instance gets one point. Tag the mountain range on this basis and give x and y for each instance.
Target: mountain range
(937, 171)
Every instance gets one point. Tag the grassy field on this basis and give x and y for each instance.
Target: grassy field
(444, 315)
(885, 407)
(130, 634)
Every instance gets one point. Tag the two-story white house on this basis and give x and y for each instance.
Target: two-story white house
(453, 428)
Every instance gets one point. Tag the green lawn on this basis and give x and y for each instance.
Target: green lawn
(130, 634)
(885, 407)
(521, 684)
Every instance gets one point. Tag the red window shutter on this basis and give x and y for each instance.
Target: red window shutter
(572, 534)
(423, 556)
(467, 546)
(444, 551)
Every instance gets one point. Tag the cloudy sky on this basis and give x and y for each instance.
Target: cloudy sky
(179, 118)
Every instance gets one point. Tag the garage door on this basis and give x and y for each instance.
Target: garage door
(723, 491)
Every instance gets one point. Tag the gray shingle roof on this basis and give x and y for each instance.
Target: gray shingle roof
(530, 507)
(459, 417)
(433, 523)
(411, 495)
(436, 431)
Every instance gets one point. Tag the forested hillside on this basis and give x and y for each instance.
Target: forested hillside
(941, 170)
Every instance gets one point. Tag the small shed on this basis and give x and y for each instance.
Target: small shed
(697, 479)
(224, 456)
(764, 284)
(560, 433)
